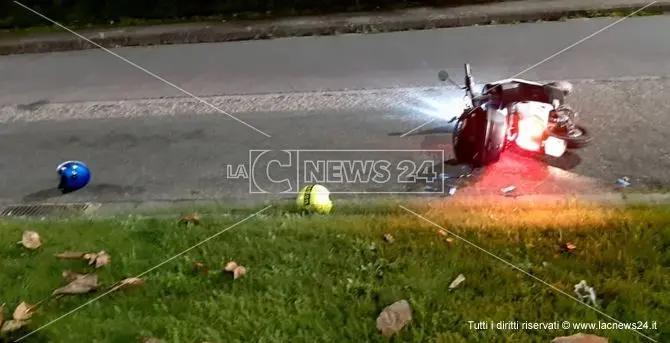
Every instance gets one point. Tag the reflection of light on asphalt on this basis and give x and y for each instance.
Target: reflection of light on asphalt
(445, 106)
(560, 173)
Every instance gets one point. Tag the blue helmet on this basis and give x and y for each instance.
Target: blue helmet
(74, 175)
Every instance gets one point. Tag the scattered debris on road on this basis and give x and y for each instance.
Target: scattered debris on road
(623, 182)
(448, 189)
(451, 190)
(444, 176)
(429, 188)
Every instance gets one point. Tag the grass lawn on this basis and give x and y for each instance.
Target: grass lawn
(326, 278)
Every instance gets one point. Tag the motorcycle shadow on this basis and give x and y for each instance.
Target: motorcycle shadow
(433, 131)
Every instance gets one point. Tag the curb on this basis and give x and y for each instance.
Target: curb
(414, 19)
(169, 208)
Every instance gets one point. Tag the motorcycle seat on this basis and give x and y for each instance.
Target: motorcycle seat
(518, 92)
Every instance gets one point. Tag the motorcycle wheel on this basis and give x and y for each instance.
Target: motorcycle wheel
(463, 138)
(469, 139)
(582, 139)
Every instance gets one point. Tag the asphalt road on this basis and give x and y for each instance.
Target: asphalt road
(186, 156)
(637, 46)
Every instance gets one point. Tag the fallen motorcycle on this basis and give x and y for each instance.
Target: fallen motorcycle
(528, 114)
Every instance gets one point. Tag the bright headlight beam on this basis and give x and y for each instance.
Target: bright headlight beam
(445, 106)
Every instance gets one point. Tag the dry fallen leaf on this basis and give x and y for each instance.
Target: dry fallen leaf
(31, 240)
(70, 276)
(230, 266)
(190, 219)
(23, 312)
(457, 281)
(393, 318)
(569, 247)
(98, 259)
(239, 272)
(81, 284)
(71, 255)
(580, 338)
(129, 282)
(12, 325)
(389, 238)
(102, 259)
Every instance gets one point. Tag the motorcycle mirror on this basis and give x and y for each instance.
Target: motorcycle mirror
(443, 75)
